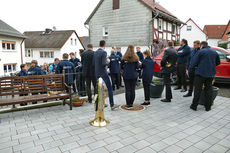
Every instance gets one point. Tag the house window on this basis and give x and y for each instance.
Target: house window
(116, 4)
(160, 25)
(5, 69)
(9, 68)
(189, 28)
(13, 46)
(71, 41)
(46, 54)
(29, 53)
(174, 29)
(75, 42)
(3, 46)
(105, 31)
(8, 45)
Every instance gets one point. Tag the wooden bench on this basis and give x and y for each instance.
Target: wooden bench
(12, 87)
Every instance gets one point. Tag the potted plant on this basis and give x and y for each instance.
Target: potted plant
(78, 101)
(214, 94)
(156, 88)
(215, 91)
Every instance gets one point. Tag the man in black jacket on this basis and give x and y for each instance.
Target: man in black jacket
(88, 70)
(168, 64)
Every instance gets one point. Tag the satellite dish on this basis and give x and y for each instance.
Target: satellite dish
(54, 28)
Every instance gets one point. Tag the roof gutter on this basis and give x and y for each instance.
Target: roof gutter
(150, 22)
(21, 50)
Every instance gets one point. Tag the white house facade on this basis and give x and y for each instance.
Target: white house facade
(131, 22)
(45, 46)
(192, 32)
(11, 48)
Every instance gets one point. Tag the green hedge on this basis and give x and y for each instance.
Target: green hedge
(223, 45)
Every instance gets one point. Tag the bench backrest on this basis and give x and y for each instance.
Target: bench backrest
(31, 84)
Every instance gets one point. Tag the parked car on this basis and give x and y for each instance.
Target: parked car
(222, 70)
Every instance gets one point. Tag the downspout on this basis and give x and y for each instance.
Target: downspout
(150, 22)
(88, 31)
(21, 50)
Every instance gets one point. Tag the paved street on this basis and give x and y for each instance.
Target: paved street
(159, 128)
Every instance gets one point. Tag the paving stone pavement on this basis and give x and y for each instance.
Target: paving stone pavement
(162, 127)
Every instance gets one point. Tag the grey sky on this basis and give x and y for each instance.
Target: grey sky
(36, 15)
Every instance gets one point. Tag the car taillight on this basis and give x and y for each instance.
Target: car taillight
(158, 63)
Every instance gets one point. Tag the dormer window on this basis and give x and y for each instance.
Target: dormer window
(116, 4)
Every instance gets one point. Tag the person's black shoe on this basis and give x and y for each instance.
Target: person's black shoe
(207, 109)
(129, 107)
(177, 88)
(188, 95)
(193, 107)
(166, 100)
(145, 103)
(183, 90)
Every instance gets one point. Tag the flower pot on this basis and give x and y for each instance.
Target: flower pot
(78, 104)
(78, 101)
(202, 96)
(156, 90)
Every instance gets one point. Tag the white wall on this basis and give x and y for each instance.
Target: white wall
(193, 35)
(213, 42)
(41, 61)
(10, 56)
(123, 49)
(68, 48)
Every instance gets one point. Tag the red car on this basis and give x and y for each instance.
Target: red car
(222, 70)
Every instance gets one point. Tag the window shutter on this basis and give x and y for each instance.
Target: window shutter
(116, 4)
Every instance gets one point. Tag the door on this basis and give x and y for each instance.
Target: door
(223, 70)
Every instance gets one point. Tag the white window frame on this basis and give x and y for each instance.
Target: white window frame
(13, 68)
(27, 53)
(44, 53)
(105, 31)
(10, 47)
(160, 24)
(189, 28)
(175, 30)
(75, 41)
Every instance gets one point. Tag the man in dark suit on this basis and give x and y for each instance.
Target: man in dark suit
(205, 62)
(88, 70)
(191, 71)
(182, 61)
(168, 64)
(101, 62)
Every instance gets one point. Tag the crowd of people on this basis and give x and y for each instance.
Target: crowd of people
(199, 63)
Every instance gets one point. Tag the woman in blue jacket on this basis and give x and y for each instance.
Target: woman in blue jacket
(148, 66)
(130, 65)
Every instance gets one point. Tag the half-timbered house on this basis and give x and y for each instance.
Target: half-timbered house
(136, 22)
